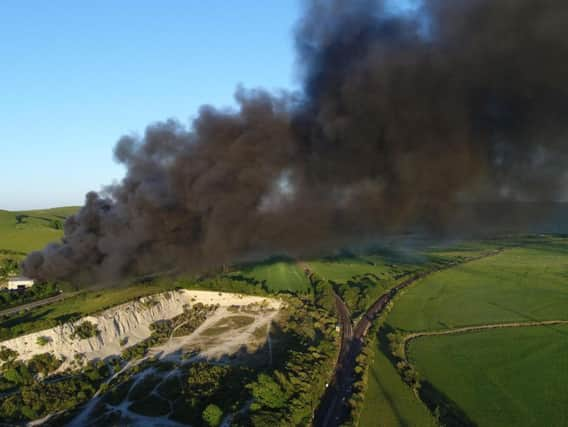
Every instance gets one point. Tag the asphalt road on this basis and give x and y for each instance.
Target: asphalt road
(325, 413)
(36, 304)
(333, 409)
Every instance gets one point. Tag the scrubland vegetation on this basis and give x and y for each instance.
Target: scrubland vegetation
(183, 324)
(500, 370)
(85, 330)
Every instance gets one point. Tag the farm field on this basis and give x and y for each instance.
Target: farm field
(345, 269)
(25, 231)
(389, 402)
(501, 377)
(495, 377)
(279, 276)
(521, 284)
(386, 267)
(503, 374)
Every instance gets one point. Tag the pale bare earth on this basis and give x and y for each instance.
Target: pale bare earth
(218, 336)
(132, 321)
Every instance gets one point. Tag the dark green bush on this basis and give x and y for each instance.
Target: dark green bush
(85, 330)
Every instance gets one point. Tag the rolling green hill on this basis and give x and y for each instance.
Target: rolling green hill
(25, 231)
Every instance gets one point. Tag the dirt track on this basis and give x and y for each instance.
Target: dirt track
(469, 329)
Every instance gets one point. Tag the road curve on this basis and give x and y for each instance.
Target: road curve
(333, 408)
(331, 395)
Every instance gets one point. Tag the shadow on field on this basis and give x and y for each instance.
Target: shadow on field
(444, 408)
(441, 406)
(390, 401)
(27, 317)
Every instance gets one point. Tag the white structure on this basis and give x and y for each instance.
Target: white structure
(15, 283)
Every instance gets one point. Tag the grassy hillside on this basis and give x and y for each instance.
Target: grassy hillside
(507, 377)
(278, 275)
(521, 284)
(25, 231)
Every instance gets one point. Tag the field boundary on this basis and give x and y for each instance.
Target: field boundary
(440, 405)
(334, 407)
(408, 338)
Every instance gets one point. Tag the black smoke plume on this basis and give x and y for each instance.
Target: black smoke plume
(403, 119)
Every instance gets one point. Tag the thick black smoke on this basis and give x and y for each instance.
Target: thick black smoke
(402, 121)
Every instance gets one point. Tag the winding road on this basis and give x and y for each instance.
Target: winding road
(333, 408)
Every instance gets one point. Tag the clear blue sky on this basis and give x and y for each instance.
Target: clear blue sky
(77, 75)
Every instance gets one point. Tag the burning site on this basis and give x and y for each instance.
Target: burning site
(381, 246)
(401, 120)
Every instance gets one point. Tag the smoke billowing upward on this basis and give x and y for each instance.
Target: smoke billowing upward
(402, 119)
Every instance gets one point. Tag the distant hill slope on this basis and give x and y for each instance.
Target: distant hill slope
(25, 231)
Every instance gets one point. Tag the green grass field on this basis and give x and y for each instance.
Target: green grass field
(345, 269)
(507, 377)
(25, 231)
(502, 377)
(521, 284)
(498, 377)
(389, 402)
(387, 267)
(279, 276)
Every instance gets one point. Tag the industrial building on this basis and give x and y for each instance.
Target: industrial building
(19, 282)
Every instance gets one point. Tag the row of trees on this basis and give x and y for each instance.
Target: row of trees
(361, 380)
(8, 266)
(289, 395)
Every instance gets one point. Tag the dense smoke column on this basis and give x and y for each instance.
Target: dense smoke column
(402, 121)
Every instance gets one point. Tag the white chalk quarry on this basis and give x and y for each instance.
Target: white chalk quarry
(130, 321)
